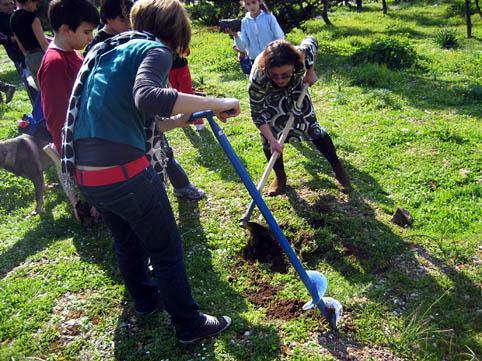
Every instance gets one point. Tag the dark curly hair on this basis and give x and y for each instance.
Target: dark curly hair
(278, 53)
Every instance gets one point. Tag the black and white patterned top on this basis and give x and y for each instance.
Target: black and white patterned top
(272, 105)
(154, 143)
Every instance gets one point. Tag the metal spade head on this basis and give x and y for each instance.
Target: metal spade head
(319, 284)
(333, 307)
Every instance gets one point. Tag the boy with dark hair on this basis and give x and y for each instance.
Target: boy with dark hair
(115, 17)
(72, 22)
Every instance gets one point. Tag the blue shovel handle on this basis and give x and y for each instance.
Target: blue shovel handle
(250, 186)
(199, 115)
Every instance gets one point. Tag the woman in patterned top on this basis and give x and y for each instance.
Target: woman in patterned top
(274, 86)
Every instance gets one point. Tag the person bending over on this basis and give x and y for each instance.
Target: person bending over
(275, 83)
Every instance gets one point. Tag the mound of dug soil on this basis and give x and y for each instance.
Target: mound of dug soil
(263, 247)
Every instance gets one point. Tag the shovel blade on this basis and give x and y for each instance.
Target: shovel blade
(334, 309)
(318, 285)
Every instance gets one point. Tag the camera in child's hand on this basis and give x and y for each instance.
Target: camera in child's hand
(231, 24)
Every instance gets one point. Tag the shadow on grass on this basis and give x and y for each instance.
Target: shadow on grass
(398, 274)
(418, 89)
(209, 152)
(36, 239)
(420, 19)
(214, 296)
(11, 77)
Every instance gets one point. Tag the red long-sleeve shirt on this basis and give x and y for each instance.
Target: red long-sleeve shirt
(56, 78)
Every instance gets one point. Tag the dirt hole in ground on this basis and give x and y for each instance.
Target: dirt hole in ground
(263, 247)
(266, 295)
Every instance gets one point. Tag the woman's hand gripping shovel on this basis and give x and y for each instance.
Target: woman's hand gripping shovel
(314, 281)
(243, 222)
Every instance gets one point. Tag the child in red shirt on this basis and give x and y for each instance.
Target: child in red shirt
(72, 23)
(180, 79)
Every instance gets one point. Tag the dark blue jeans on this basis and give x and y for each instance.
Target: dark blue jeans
(140, 218)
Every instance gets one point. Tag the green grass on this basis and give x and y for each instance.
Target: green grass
(409, 139)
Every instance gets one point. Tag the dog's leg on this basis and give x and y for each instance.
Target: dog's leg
(39, 185)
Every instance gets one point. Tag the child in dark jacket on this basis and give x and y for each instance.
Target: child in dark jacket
(114, 14)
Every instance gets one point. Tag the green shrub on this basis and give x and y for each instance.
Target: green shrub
(457, 9)
(290, 13)
(393, 52)
(472, 92)
(372, 75)
(447, 38)
(210, 12)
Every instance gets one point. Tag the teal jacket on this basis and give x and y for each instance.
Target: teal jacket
(107, 110)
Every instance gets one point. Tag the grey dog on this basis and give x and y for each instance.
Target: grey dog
(24, 157)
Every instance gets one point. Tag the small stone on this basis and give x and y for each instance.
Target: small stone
(402, 217)
(247, 334)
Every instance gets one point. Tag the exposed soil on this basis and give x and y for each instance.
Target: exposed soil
(263, 295)
(402, 218)
(285, 309)
(263, 247)
(266, 295)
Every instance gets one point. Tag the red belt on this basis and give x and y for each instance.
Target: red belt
(95, 178)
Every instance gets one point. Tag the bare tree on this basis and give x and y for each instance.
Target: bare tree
(324, 13)
(468, 21)
(477, 6)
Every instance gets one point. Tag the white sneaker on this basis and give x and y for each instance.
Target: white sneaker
(199, 127)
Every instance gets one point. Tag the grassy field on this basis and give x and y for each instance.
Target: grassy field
(409, 139)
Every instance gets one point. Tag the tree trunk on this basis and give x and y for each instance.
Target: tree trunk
(358, 5)
(384, 6)
(467, 18)
(324, 13)
(477, 6)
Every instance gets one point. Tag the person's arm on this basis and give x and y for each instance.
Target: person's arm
(22, 49)
(224, 108)
(151, 97)
(241, 39)
(257, 92)
(177, 121)
(275, 28)
(4, 39)
(273, 142)
(39, 34)
(308, 47)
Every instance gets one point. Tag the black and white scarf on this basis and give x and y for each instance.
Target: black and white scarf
(154, 145)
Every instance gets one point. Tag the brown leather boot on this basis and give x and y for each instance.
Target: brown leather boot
(342, 177)
(279, 183)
